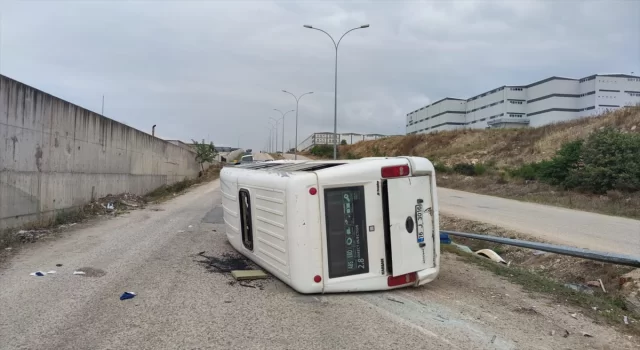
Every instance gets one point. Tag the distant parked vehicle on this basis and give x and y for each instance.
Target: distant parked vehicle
(246, 159)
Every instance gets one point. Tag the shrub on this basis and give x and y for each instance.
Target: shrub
(611, 161)
(607, 160)
(441, 168)
(325, 151)
(527, 171)
(465, 169)
(343, 142)
(350, 155)
(479, 169)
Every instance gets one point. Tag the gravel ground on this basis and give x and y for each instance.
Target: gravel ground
(182, 302)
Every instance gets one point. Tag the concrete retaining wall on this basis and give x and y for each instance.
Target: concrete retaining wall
(55, 155)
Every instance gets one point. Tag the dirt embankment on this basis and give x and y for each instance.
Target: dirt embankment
(491, 156)
(502, 147)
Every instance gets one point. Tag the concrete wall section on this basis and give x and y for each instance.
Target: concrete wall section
(55, 155)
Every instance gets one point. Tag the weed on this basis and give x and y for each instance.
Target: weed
(609, 309)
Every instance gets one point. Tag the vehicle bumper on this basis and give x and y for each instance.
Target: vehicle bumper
(425, 276)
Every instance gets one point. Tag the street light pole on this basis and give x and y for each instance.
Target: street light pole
(276, 126)
(295, 146)
(273, 139)
(335, 91)
(283, 114)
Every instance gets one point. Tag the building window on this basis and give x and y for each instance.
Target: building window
(245, 219)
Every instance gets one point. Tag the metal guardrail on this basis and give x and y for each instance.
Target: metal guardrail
(613, 258)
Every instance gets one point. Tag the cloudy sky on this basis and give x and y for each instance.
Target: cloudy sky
(215, 69)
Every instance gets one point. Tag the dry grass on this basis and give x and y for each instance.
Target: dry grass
(505, 147)
(548, 273)
(613, 203)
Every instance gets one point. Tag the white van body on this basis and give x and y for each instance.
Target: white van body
(336, 226)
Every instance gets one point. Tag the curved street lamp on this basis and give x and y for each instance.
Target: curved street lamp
(283, 114)
(335, 92)
(295, 147)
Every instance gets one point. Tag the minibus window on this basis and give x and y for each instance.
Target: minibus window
(346, 231)
(245, 219)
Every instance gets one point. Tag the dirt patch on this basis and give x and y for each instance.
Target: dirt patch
(567, 278)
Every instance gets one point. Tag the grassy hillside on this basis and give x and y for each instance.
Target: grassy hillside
(589, 164)
(504, 147)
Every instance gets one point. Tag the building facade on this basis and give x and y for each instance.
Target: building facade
(326, 138)
(547, 101)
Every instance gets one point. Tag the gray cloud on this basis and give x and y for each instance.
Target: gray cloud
(216, 68)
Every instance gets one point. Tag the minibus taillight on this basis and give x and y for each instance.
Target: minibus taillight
(395, 171)
(402, 279)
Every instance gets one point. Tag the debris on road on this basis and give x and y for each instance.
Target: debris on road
(566, 334)
(30, 236)
(592, 283)
(38, 273)
(190, 226)
(488, 253)
(579, 288)
(58, 265)
(625, 319)
(552, 333)
(51, 272)
(602, 285)
(462, 248)
(228, 263)
(241, 275)
(585, 334)
(127, 295)
(395, 300)
(574, 315)
(111, 204)
(79, 273)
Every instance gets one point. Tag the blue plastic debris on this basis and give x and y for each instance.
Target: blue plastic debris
(127, 295)
(444, 238)
(38, 273)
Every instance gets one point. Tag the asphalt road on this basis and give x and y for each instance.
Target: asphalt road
(262, 156)
(554, 224)
(164, 254)
(292, 156)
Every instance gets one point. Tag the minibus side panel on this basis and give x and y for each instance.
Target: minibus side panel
(305, 239)
(268, 221)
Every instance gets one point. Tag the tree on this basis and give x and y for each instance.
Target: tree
(204, 153)
(343, 142)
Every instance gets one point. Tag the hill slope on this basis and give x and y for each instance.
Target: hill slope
(494, 161)
(504, 147)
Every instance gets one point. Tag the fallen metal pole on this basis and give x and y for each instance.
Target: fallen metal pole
(613, 258)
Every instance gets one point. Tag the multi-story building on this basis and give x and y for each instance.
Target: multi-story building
(544, 102)
(326, 138)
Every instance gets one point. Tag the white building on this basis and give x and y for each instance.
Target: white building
(326, 138)
(546, 101)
